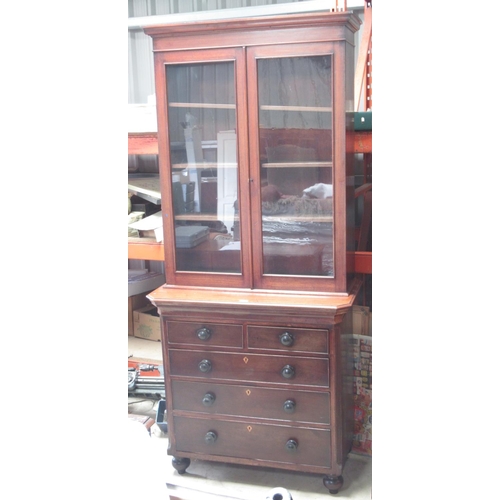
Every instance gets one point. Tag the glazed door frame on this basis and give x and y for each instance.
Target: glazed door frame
(336, 52)
(162, 61)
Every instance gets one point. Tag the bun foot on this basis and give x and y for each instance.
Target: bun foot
(333, 483)
(180, 464)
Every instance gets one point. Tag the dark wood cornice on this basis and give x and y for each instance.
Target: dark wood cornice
(290, 21)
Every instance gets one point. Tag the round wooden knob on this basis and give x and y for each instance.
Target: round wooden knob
(291, 445)
(208, 399)
(289, 406)
(210, 437)
(286, 339)
(203, 333)
(205, 366)
(288, 371)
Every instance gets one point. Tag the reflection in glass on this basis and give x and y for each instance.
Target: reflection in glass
(202, 127)
(295, 129)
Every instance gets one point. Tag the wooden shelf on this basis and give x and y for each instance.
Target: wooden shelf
(319, 109)
(264, 107)
(303, 164)
(200, 105)
(197, 216)
(298, 218)
(203, 166)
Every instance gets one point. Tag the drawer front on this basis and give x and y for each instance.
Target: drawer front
(274, 443)
(207, 334)
(288, 370)
(258, 402)
(289, 339)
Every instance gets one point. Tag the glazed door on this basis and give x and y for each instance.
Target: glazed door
(292, 162)
(202, 140)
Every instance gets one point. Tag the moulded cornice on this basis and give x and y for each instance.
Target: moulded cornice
(289, 21)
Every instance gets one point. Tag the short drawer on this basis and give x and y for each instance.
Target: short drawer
(306, 371)
(257, 402)
(208, 334)
(290, 339)
(263, 442)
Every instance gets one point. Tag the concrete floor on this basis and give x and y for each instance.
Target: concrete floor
(205, 480)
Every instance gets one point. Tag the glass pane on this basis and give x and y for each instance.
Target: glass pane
(295, 128)
(202, 126)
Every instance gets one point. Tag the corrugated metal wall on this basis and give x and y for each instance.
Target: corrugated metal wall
(140, 55)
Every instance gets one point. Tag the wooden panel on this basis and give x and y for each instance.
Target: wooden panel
(220, 335)
(249, 401)
(242, 367)
(253, 441)
(303, 340)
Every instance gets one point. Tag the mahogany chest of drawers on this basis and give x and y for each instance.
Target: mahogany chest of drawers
(255, 383)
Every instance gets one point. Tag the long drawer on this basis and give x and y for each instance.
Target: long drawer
(247, 401)
(307, 371)
(274, 443)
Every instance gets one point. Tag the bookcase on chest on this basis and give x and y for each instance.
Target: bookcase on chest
(255, 144)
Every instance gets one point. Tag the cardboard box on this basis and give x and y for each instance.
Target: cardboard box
(147, 323)
(136, 302)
